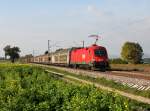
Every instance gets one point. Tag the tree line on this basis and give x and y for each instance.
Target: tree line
(12, 52)
(131, 53)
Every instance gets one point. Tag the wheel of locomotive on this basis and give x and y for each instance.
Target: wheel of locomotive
(103, 69)
(92, 68)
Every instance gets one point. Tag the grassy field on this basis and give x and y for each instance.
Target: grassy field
(28, 88)
(131, 67)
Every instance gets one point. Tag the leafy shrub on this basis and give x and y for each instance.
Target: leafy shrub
(117, 61)
(27, 88)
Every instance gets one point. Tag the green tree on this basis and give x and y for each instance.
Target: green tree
(46, 52)
(132, 52)
(6, 50)
(13, 52)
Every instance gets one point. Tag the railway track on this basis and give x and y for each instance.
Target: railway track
(131, 79)
(131, 74)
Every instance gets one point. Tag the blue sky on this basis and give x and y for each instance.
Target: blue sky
(30, 23)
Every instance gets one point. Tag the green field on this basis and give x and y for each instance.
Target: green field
(131, 67)
(28, 88)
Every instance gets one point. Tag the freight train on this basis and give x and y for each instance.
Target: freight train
(93, 57)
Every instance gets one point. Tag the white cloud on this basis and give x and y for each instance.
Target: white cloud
(92, 9)
(141, 25)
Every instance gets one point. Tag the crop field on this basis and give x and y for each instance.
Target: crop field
(30, 88)
(131, 67)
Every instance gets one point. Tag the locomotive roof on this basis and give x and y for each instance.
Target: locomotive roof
(61, 50)
(94, 45)
(41, 55)
(68, 49)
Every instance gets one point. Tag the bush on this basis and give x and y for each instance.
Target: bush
(117, 61)
(25, 88)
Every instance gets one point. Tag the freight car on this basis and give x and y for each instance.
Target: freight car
(61, 57)
(94, 57)
(43, 59)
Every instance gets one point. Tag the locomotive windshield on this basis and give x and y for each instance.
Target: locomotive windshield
(100, 52)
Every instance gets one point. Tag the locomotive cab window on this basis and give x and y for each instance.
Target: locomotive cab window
(100, 52)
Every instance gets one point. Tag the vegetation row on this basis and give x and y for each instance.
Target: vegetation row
(26, 88)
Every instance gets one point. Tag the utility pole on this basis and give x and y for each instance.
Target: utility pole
(83, 43)
(48, 46)
(33, 53)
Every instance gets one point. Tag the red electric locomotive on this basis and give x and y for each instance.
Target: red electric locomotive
(94, 57)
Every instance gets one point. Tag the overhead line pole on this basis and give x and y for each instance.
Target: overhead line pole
(33, 53)
(83, 43)
(48, 46)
